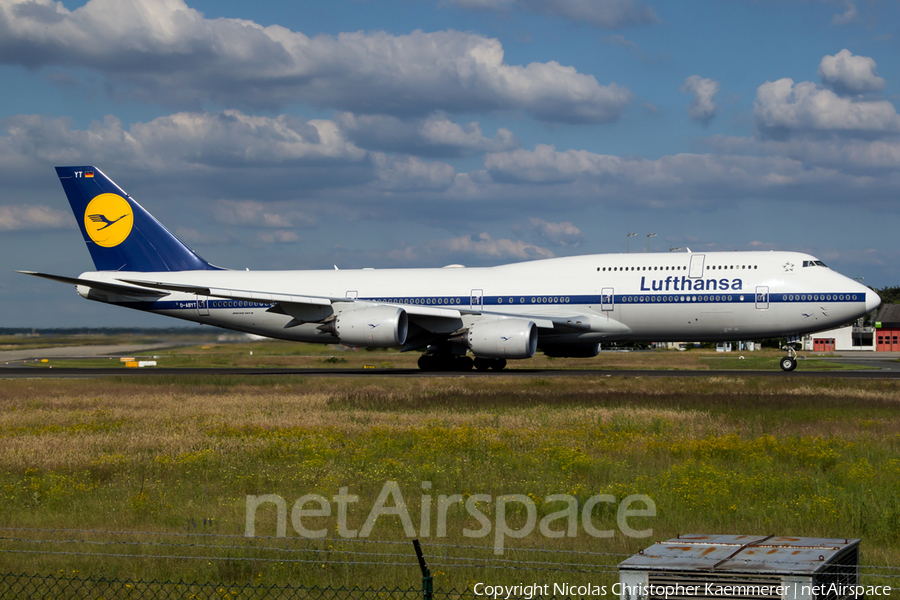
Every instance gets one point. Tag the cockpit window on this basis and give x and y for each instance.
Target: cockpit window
(813, 263)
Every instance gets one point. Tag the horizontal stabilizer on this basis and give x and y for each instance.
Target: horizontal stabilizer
(99, 285)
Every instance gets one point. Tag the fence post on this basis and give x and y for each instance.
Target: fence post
(427, 579)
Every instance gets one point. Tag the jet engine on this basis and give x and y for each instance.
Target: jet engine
(571, 350)
(503, 338)
(378, 326)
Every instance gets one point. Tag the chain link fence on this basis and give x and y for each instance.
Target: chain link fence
(370, 561)
(41, 587)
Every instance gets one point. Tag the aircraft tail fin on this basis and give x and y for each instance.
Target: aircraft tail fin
(120, 234)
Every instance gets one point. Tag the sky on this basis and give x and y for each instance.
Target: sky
(421, 133)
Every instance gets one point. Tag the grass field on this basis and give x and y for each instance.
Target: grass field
(180, 455)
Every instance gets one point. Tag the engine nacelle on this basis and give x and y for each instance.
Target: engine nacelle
(503, 338)
(378, 326)
(571, 350)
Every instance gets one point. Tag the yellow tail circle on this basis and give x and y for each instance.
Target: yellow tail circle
(108, 220)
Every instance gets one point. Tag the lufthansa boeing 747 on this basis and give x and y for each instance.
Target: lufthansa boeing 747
(562, 306)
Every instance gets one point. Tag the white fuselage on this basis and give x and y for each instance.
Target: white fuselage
(658, 297)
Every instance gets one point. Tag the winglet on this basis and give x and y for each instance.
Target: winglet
(119, 233)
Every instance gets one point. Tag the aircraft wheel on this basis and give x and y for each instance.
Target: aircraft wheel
(482, 364)
(499, 364)
(788, 363)
(427, 362)
(445, 362)
(464, 363)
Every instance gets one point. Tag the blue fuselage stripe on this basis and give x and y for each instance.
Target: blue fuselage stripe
(500, 301)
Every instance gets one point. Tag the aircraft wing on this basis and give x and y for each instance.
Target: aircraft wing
(305, 309)
(301, 308)
(563, 322)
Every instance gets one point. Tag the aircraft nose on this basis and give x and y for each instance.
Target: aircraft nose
(873, 300)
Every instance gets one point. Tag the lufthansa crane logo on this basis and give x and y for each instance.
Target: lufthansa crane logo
(108, 220)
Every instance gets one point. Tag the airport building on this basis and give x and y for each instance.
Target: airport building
(887, 328)
(851, 337)
(883, 337)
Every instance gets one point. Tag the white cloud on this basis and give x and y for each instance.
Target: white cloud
(34, 138)
(435, 135)
(484, 247)
(411, 173)
(563, 234)
(848, 16)
(278, 237)
(680, 180)
(251, 213)
(783, 108)
(848, 74)
(162, 51)
(229, 155)
(631, 47)
(703, 107)
(545, 165)
(232, 137)
(189, 235)
(226, 154)
(182, 140)
(24, 217)
(440, 131)
(857, 156)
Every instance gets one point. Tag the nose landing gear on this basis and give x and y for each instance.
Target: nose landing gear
(789, 362)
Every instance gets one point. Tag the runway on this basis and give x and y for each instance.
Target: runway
(888, 372)
(66, 352)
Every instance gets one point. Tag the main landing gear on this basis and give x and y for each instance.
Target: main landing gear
(455, 362)
(789, 362)
(496, 364)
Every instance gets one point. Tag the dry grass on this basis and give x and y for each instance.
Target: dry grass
(717, 455)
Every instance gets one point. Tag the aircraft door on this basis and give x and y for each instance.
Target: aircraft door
(202, 306)
(476, 299)
(351, 295)
(697, 265)
(607, 299)
(762, 297)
